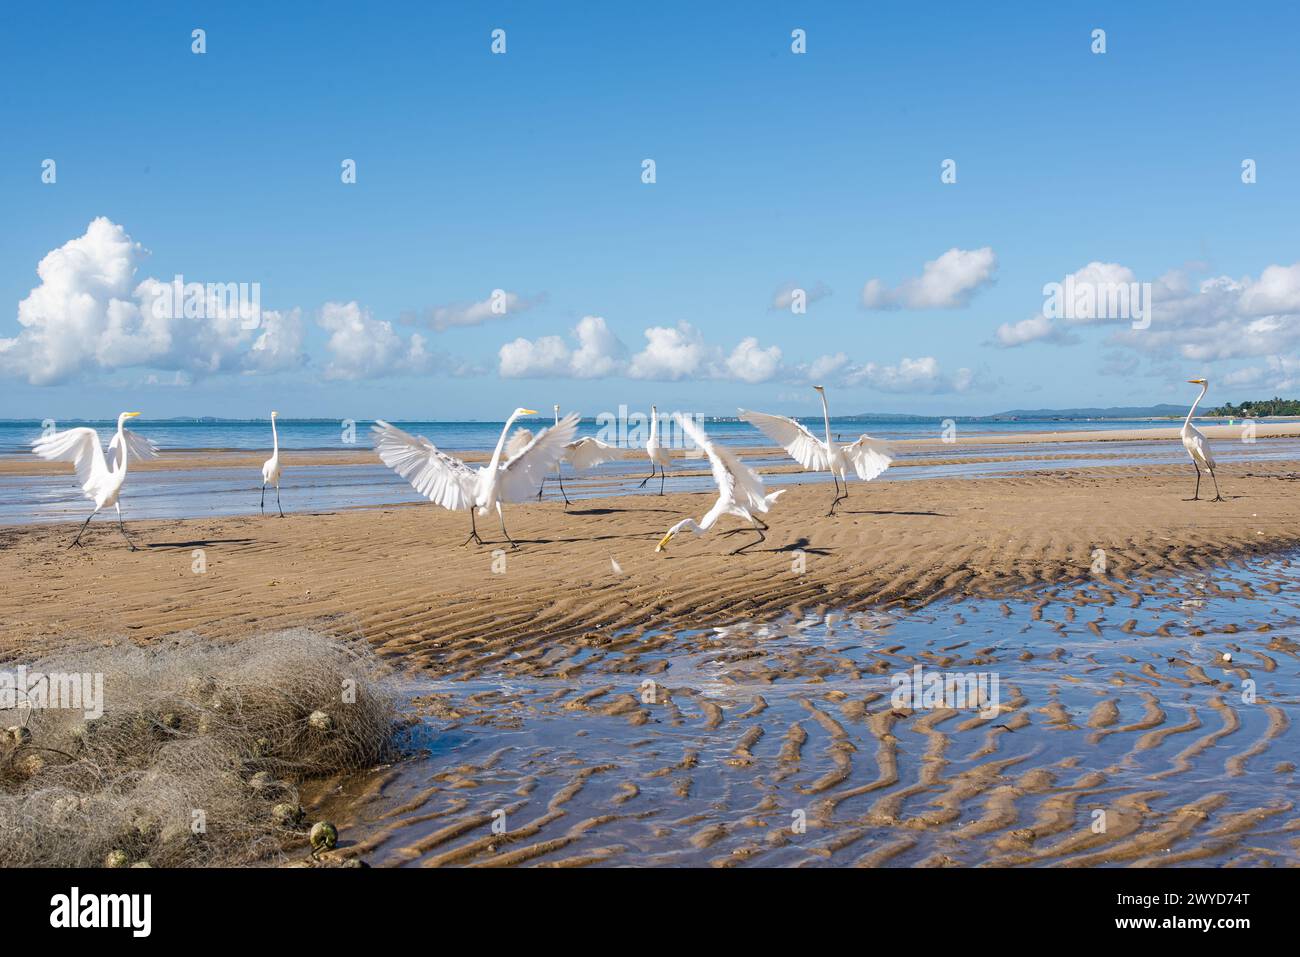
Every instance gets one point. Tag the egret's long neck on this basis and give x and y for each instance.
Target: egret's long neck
(826, 417)
(275, 439)
(501, 443)
(1192, 411)
(121, 443)
(654, 424)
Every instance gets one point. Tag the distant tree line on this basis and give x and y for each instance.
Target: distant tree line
(1273, 406)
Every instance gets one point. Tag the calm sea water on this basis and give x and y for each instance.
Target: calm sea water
(316, 434)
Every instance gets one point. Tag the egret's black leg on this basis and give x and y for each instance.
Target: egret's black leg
(1218, 497)
(473, 530)
(77, 540)
(540, 488)
(761, 537)
(501, 515)
(261, 506)
(662, 475)
(836, 500)
(122, 526)
(1196, 496)
(648, 477)
(560, 479)
(277, 499)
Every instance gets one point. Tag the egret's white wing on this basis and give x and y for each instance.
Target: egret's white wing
(588, 452)
(523, 472)
(1198, 447)
(736, 480)
(518, 442)
(81, 448)
(802, 446)
(137, 447)
(869, 456)
(442, 478)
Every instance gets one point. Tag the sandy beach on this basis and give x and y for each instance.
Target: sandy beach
(508, 666)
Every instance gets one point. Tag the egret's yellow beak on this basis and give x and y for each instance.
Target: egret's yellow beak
(132, 415)
(663, 542)
(1196, 381)
(529, 412)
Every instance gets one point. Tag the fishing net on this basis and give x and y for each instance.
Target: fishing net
(198, 754)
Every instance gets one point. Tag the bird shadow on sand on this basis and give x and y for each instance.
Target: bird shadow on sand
(200, 543)
(615, 511)
(800, 545)
(887, 511)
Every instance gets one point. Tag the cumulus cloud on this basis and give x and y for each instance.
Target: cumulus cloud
(1221, 318)
(91, 313)
(278, 346)
(500, 304)
(599, 353)
(749, 362)
(363, 347)
(671, 353)
(948, 282)
(916, 376)
(1034, 329)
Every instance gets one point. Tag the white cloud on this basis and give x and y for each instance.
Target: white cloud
(1279, 374)
(500, 304)
(1034, 329)
(751, 363)
(362, 347)
(278, 347)
(948, 282)
(671, 353)
(916, 376)
(599, 354)
(90, 314)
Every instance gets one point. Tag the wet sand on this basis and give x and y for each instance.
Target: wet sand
(400, 578)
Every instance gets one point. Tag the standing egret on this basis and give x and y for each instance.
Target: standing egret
(658, 455)
(740, 489)
(449, 482)
(582, 454)
(1198, 447)
(271, 469)
(100, 477)
(867, 456)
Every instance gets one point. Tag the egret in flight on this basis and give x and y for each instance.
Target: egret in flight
(99, 476)
(584, 453)
(1198, 447)
(866, 456)
(657, 454)
(271, 469)
(449, 482)
(740, 490)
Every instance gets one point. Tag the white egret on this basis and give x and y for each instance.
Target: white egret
(657, 454)
(867, 456)
(99, 476)
(1198, 447)
(740, 489)
(271, 469)
(584, 453)
(449, 482)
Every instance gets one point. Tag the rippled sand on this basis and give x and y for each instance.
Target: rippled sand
(1122, 736)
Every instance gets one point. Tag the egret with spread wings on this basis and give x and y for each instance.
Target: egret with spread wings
(740, 489)
(99, 476)
(449, 482)
(584, 453)
(867, 457)
(1198, 446)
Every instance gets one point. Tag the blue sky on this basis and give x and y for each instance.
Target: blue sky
(522, 172)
